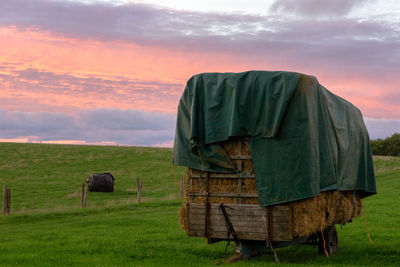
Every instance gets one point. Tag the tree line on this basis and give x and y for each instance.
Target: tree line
(389, 146)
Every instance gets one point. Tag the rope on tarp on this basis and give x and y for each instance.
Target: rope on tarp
(366, 224)
(229, 224)
(323, 239)
(268, 210)
(226, 248)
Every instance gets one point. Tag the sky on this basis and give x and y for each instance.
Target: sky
(112, 72)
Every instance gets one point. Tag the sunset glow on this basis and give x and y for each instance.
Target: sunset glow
(136, 59)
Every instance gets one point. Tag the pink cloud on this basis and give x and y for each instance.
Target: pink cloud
(68, 57)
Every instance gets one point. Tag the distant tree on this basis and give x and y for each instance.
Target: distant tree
(387, 147)
(393, 145)
(378, 147)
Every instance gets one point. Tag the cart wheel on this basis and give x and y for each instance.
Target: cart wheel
(331, 241)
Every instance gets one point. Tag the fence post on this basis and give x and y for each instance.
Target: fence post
(139, 189)
(86, 188)
(83, 195)
(6, 200)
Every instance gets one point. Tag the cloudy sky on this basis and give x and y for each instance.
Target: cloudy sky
(112, 72)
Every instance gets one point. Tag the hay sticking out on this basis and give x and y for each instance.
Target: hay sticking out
(183, 214)
(184, 217)
(249, 186)
(324, 210)
(309, 215)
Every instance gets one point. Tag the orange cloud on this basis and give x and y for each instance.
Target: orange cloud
(41, 71)
(158, 74)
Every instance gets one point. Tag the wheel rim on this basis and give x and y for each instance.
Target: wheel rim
(332, 242)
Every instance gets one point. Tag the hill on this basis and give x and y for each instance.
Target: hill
(47, 227)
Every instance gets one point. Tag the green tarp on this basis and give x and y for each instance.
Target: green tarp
(303, 139)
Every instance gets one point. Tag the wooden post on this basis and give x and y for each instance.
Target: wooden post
(183, 183)
(86, 195)
(139, 189)
(6, 200)
(4, 211)
(83, 195)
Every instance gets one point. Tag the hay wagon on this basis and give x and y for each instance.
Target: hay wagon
(244, 184)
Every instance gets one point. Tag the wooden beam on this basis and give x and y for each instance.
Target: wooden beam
(6, 200)
(83, 195)
(139, 184)
(212, 194)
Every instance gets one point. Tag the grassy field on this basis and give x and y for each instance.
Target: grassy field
(47, 227)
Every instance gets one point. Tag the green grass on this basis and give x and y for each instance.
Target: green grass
(47, 227)
(386, 163)
(49, 177)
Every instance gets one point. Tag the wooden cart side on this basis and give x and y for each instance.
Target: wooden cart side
(249, 221)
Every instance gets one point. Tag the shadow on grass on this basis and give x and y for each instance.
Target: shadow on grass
(362, 255)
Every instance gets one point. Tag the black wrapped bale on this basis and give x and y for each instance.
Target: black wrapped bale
(102, 182)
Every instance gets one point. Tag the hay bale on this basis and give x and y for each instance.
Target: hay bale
(101, 182)
(309, 215)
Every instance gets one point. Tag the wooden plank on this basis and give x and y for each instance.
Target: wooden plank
(280, 228)
(240, 170)
(182, 187)
(190, 184)
(249, 224)
(281, 207)
(198, 219)
(281, 224)
(269, 224)
(225, 176)
(242, 236)
(234, 206)
(291, 222)
(239, 229)
(199, 233)
(233, 209)
(224, 235)
(230, 206)
(282, 236)
(222, 228)
(215, 194)
(249, 221)
(207, 209)
(280, 217)
(250, 212)
(218, 220)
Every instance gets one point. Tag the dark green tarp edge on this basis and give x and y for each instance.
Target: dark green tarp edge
(303, 139)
